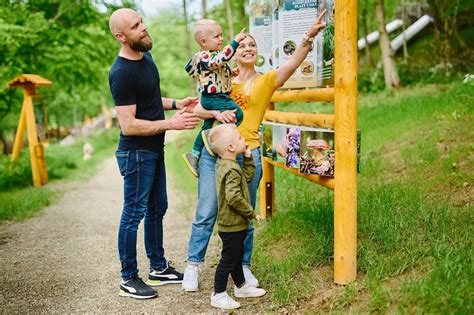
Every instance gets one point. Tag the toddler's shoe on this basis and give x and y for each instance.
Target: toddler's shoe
(192, 163)
(207, 142)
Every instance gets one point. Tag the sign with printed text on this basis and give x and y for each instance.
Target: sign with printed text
(278, 27)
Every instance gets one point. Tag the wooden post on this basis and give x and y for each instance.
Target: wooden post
(32, 134)
(267, 185)
(345, 187)
(19, 135)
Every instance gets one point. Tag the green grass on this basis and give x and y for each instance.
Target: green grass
(19, 200)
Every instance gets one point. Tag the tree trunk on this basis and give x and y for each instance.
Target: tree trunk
(204, 9)
(187, 46)
(368, 53)
(392, 80)
(230, 22)
(404, 19)
(4, 144)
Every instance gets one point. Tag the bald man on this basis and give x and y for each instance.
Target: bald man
(135, 85)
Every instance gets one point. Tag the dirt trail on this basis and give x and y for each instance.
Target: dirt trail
(65, 259)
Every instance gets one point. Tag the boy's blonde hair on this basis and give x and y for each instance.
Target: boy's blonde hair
(220, 136)
(201, 27)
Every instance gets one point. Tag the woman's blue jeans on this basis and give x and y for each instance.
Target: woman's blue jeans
(144, 185)
(206, 211)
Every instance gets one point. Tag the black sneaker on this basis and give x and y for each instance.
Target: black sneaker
(165, 276)
(137, 289)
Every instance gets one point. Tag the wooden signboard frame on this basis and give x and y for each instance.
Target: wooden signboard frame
(344, 122)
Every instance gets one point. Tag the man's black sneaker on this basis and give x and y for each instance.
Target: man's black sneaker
(137, 289)
(163, 276)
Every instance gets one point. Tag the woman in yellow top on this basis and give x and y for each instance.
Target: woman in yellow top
(252, 92)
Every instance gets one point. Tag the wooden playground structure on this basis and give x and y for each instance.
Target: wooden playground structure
(344, 122)
(29, 83)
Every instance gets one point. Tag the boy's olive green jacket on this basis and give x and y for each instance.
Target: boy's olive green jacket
(233, 195)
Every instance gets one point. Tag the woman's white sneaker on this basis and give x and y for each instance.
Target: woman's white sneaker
(248, 291)
(191, 278)
(224, 301)
(249, 277)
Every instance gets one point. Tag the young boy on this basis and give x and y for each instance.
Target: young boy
(233, 215)
(209, 67)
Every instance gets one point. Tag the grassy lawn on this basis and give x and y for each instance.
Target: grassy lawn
(19, 200)
(415, 215)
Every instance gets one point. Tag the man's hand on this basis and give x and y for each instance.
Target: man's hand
(241, 36)
(187, 103)
(183, 120)
(226, 117)
(258, 218)
(317, 26)
(248, 152)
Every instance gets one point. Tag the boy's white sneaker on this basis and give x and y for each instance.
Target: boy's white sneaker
(191, 278)
(249, 277)
(224, 301)
(248, 291)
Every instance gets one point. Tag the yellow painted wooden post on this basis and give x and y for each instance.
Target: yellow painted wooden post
(19, 135)
(345, 189)
(267, 185)
(29, 83)
(32, 134)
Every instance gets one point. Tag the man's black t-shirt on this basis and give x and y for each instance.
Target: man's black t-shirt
(138, 82)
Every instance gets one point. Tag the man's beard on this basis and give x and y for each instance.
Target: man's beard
(140, 45)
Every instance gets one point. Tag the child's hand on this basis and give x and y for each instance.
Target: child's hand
(248, 152)
(241, 36)
(234, 72)
(258, 218)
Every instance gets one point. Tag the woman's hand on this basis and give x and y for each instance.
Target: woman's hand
(317, 26)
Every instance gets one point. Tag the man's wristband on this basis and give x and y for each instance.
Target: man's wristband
(173, 104)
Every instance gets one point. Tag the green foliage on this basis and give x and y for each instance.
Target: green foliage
(67, 42)
(24, 203)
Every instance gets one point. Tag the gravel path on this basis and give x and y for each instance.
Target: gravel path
(65, 260)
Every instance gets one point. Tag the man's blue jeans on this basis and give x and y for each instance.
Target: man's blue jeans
(144, 185)
(206, 211)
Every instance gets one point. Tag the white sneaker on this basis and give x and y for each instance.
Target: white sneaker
(224, 301)
(191, 278)
(248, 291)
(249, 277)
